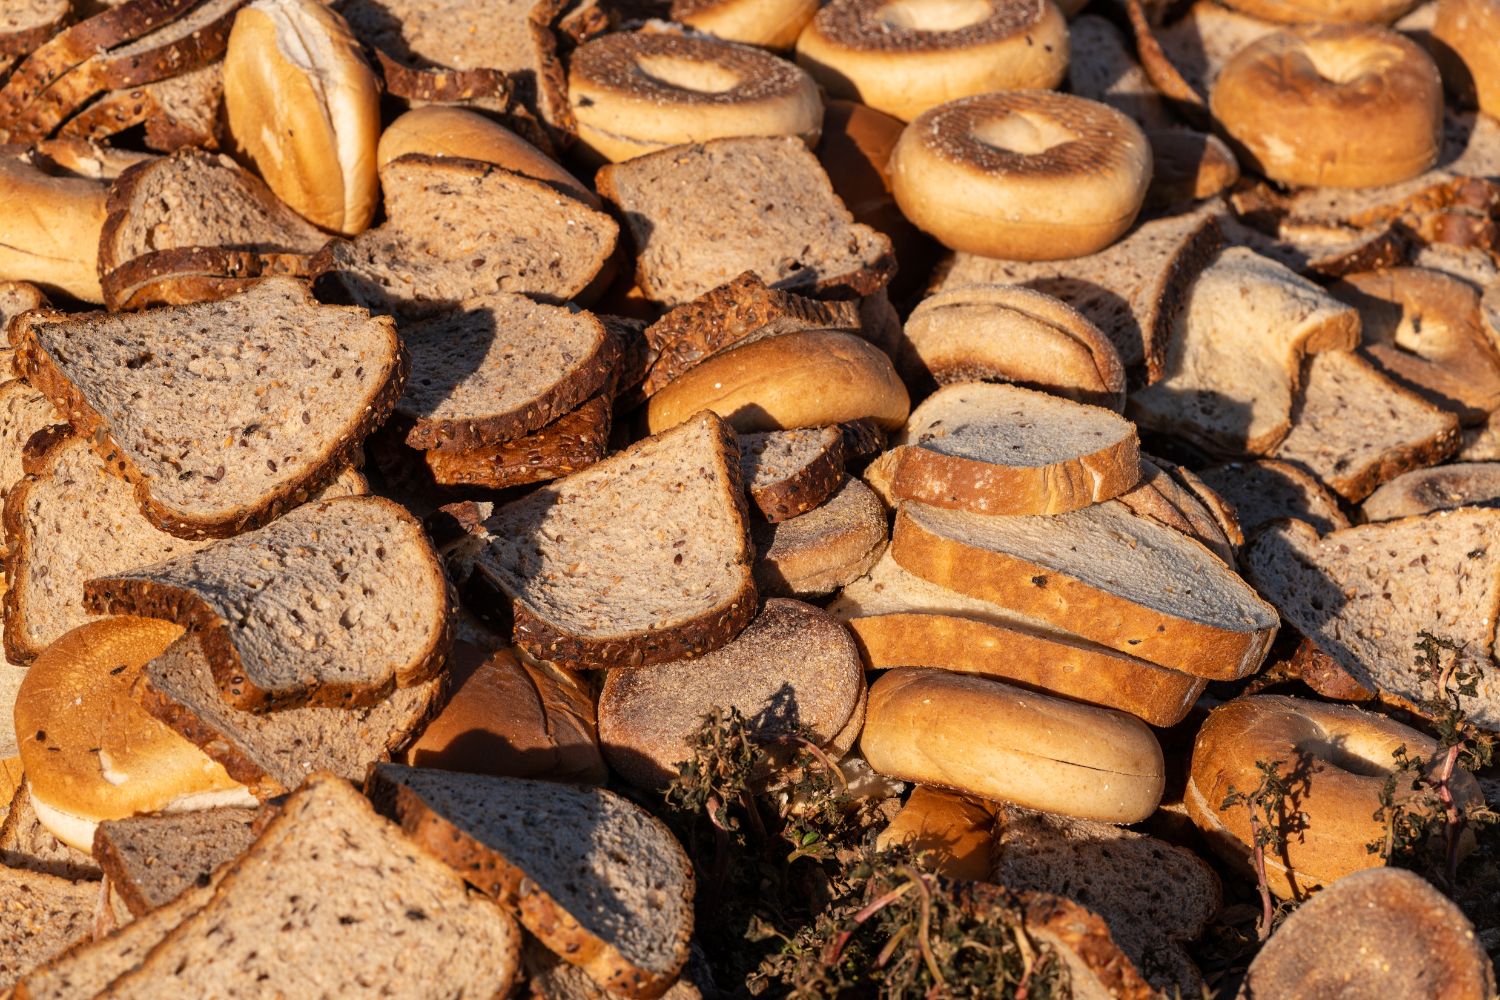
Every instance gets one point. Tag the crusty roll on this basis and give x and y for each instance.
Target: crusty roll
(303, 105)
(1468, 33)
(1333, 106)
(981, 737)
(809, 379)
(634, 93)
(90, 751)
(49, 229)
(1030, 175)
(441, 130)
(771, 24)
(1335, 758)
(907, 56)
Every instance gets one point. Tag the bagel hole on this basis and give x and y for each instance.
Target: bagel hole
(689, 74)
(1340, 754)
(934, 15)
(1023, 133)
(1340, 63)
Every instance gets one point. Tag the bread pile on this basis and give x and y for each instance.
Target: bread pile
(417, 419)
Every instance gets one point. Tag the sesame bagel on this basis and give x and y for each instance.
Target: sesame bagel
(905, 56)
(1301, 106)
(1030, 175)
(636, 93)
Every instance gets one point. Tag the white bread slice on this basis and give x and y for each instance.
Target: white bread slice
(1423, 491)
(1122, 581)
(1175, 497)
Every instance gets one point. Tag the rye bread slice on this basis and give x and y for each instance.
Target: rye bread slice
(1364, 594)
(498, 368)
(40, 915)
(183, 276)
(1355, 429)
(320, 898)
(26, 24)
(1000, 449)
(1122, 581)
(456, 229)
(336, 603)
(26, 844)
(178, 112)
(643, 558)
(701, 214)
(569, 444)
(150, 860)
(178, 401)
(818, 552)
(1175, 497)
(598, 880)
(788, 473)
(1424, 491)
(1265, 490)
(794, 671)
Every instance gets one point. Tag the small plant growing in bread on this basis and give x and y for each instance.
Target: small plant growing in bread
(1271, 821)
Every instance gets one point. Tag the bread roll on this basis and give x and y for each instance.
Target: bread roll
(50, 228)
(303, 106)
(1469, 51)
(770, 24)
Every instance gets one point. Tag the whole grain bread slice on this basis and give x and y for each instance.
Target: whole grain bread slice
(23, 412)
(177, 112)
(1123, 581)
(151, 860)
(788, 473)
(185, 275)
(569, 444)
(40, 915)
(1423, 491)
(272, 927)
(27, 24)
(179, 400)
(702, 214)
(25, 843)
(597, 879)
(1265, 490)
(818, 552)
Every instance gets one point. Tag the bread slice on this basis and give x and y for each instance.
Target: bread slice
(1002, 449)
(1122, 581)
(1199, 44)
(1364, 594)
(70, 156)
(569, 444)
(1320, 248)
(26, 24)
(456, 229)
(336, 603)
(178, 112)
(1265, 490)
(151, 860)
(643, 558)
(790, 472)
(1234, 362)
(1175, 497)
(25, 843)
(498, 368)
(598, 880)
(818, 552)
(1355, 429)
(178, 399)
(320, 897)
(11, 675)
(702, 214)
(1132, 291)
(1423, 491)
(16, 297)
(40, 915)
(1111, 74)
(794, 671)
(23, 412)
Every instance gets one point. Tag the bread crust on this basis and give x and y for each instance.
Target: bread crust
(572, 442)
(185, 275)
(23, 42)
(805, 489)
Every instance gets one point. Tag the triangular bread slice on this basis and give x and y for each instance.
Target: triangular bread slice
(336, 603)
(1424, 491)
(991, 448)
(223, 414)
(1265, 490)
(902, 620)
(40, 916)
(642, 558)
(597, 879)
(150, 860)
(569, 444)
(326, 887)
(1365, 594)
(818, 552)
(1122, 581)
(788, 473)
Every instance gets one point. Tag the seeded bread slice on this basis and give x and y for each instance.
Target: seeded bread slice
(790, 472)
(598, 880)
(151, 860)
(1423, 491)
(40, 915)
(180, 402)
(1263, 491)
(320, 898)
(701, 214)
(1122, 581)
(818, 552)
(1355, 429)
(178, 112)
(16, 297)
(25, 843)
(642, 558)
(1364, 594)
(26, 24)
(1000, 449)
(569, 444)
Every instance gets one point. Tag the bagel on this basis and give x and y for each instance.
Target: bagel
(771, 24)
(1468, 50)
(1336, 759)
(90, 752)
(634, 93)
(1333, 106)
(980, 737)
(1323, 11)
(905, 56)
(1031, 175)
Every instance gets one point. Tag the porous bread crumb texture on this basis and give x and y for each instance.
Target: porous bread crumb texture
(25, 843)
(23, 412)
(790, 472)
(424, 32)
(1011, 426)
(1263, 491)
(40, 915)
(703, 214)
(1447, 487)
(822, 550)
(24, 16)
(151, 860)
(330, 894)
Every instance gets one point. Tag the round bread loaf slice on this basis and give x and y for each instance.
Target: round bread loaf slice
(1422, 491)
(790, 472)
(793, 671)
(818, 552)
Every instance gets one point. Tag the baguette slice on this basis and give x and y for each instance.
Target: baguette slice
(790, 472)
(1000, 449)
(180, 401)
(151, 860)
(1122, 581)
(320, 898)
(40, 915)
(902, 620)
(1423, 491)
(598, 880)
(1266, 490)
(818, 552)
(337, 603)
(642, 558)
(179, 112)
(569, 444)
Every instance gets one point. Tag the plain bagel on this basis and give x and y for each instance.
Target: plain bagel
(1030, 175)
(1302, 104)
(905, 56)
(770, 24)
(635, 93)
(1335, 759)
(980, 737)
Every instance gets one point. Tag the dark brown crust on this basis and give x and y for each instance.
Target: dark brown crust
(116, 874)
(492, 874)
(184, 275)
(41, 371)
(863, 440)
(27, 40)
(806, 488)
(117, 111)
(442, 85)
(569, 444)
(1187, 101)
(1385, 247)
